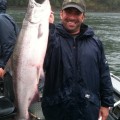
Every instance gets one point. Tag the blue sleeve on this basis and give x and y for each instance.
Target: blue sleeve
(7, 40)
(51, 43)
(106, 88)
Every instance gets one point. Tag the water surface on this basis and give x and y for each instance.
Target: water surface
(107, 28)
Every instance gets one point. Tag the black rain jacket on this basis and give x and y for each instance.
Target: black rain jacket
(76, 68)
(8, 35)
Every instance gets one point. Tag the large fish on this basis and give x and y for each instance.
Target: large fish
(28, 55)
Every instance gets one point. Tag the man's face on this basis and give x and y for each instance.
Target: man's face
(72, 19)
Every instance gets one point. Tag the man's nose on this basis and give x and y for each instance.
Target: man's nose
(72, 16)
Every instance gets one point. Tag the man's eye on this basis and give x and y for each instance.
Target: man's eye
(78, 13)
(68, 11)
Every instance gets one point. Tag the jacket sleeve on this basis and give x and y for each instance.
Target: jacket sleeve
(7, 40)
(106, 88)
(51, 43)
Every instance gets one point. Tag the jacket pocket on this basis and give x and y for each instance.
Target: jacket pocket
(91, 97)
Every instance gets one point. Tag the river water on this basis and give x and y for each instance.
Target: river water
(107, 28)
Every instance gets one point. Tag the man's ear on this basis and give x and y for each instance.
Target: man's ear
(83, 17)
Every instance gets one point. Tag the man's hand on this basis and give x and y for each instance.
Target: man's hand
(104, 112)
(51, 18)
(2, 72)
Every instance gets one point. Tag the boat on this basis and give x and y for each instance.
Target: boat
(115, 111)
(35, 109)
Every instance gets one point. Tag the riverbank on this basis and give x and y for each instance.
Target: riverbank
(90, 8)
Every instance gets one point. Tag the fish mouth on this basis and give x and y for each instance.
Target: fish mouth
(39, 1)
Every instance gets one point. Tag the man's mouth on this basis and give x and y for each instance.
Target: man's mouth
(71, 23)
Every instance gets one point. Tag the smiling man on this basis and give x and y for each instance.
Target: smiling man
(77, 78)
(72, 15)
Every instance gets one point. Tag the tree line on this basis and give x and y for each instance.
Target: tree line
(111, 5)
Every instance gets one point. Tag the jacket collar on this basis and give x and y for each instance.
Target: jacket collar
(86, 31)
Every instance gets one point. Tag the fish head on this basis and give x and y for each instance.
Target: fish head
(38, 10)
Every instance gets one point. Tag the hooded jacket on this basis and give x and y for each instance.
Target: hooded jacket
(3, 6)
(76, 67)
(8, 34)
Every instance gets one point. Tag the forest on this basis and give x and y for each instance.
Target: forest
(92, 5)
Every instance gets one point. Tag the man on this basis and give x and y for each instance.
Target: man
(77, 83)
(8, 34)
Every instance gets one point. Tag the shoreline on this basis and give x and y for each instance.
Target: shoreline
(57, 9)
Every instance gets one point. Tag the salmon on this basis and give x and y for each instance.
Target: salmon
(28, 55)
